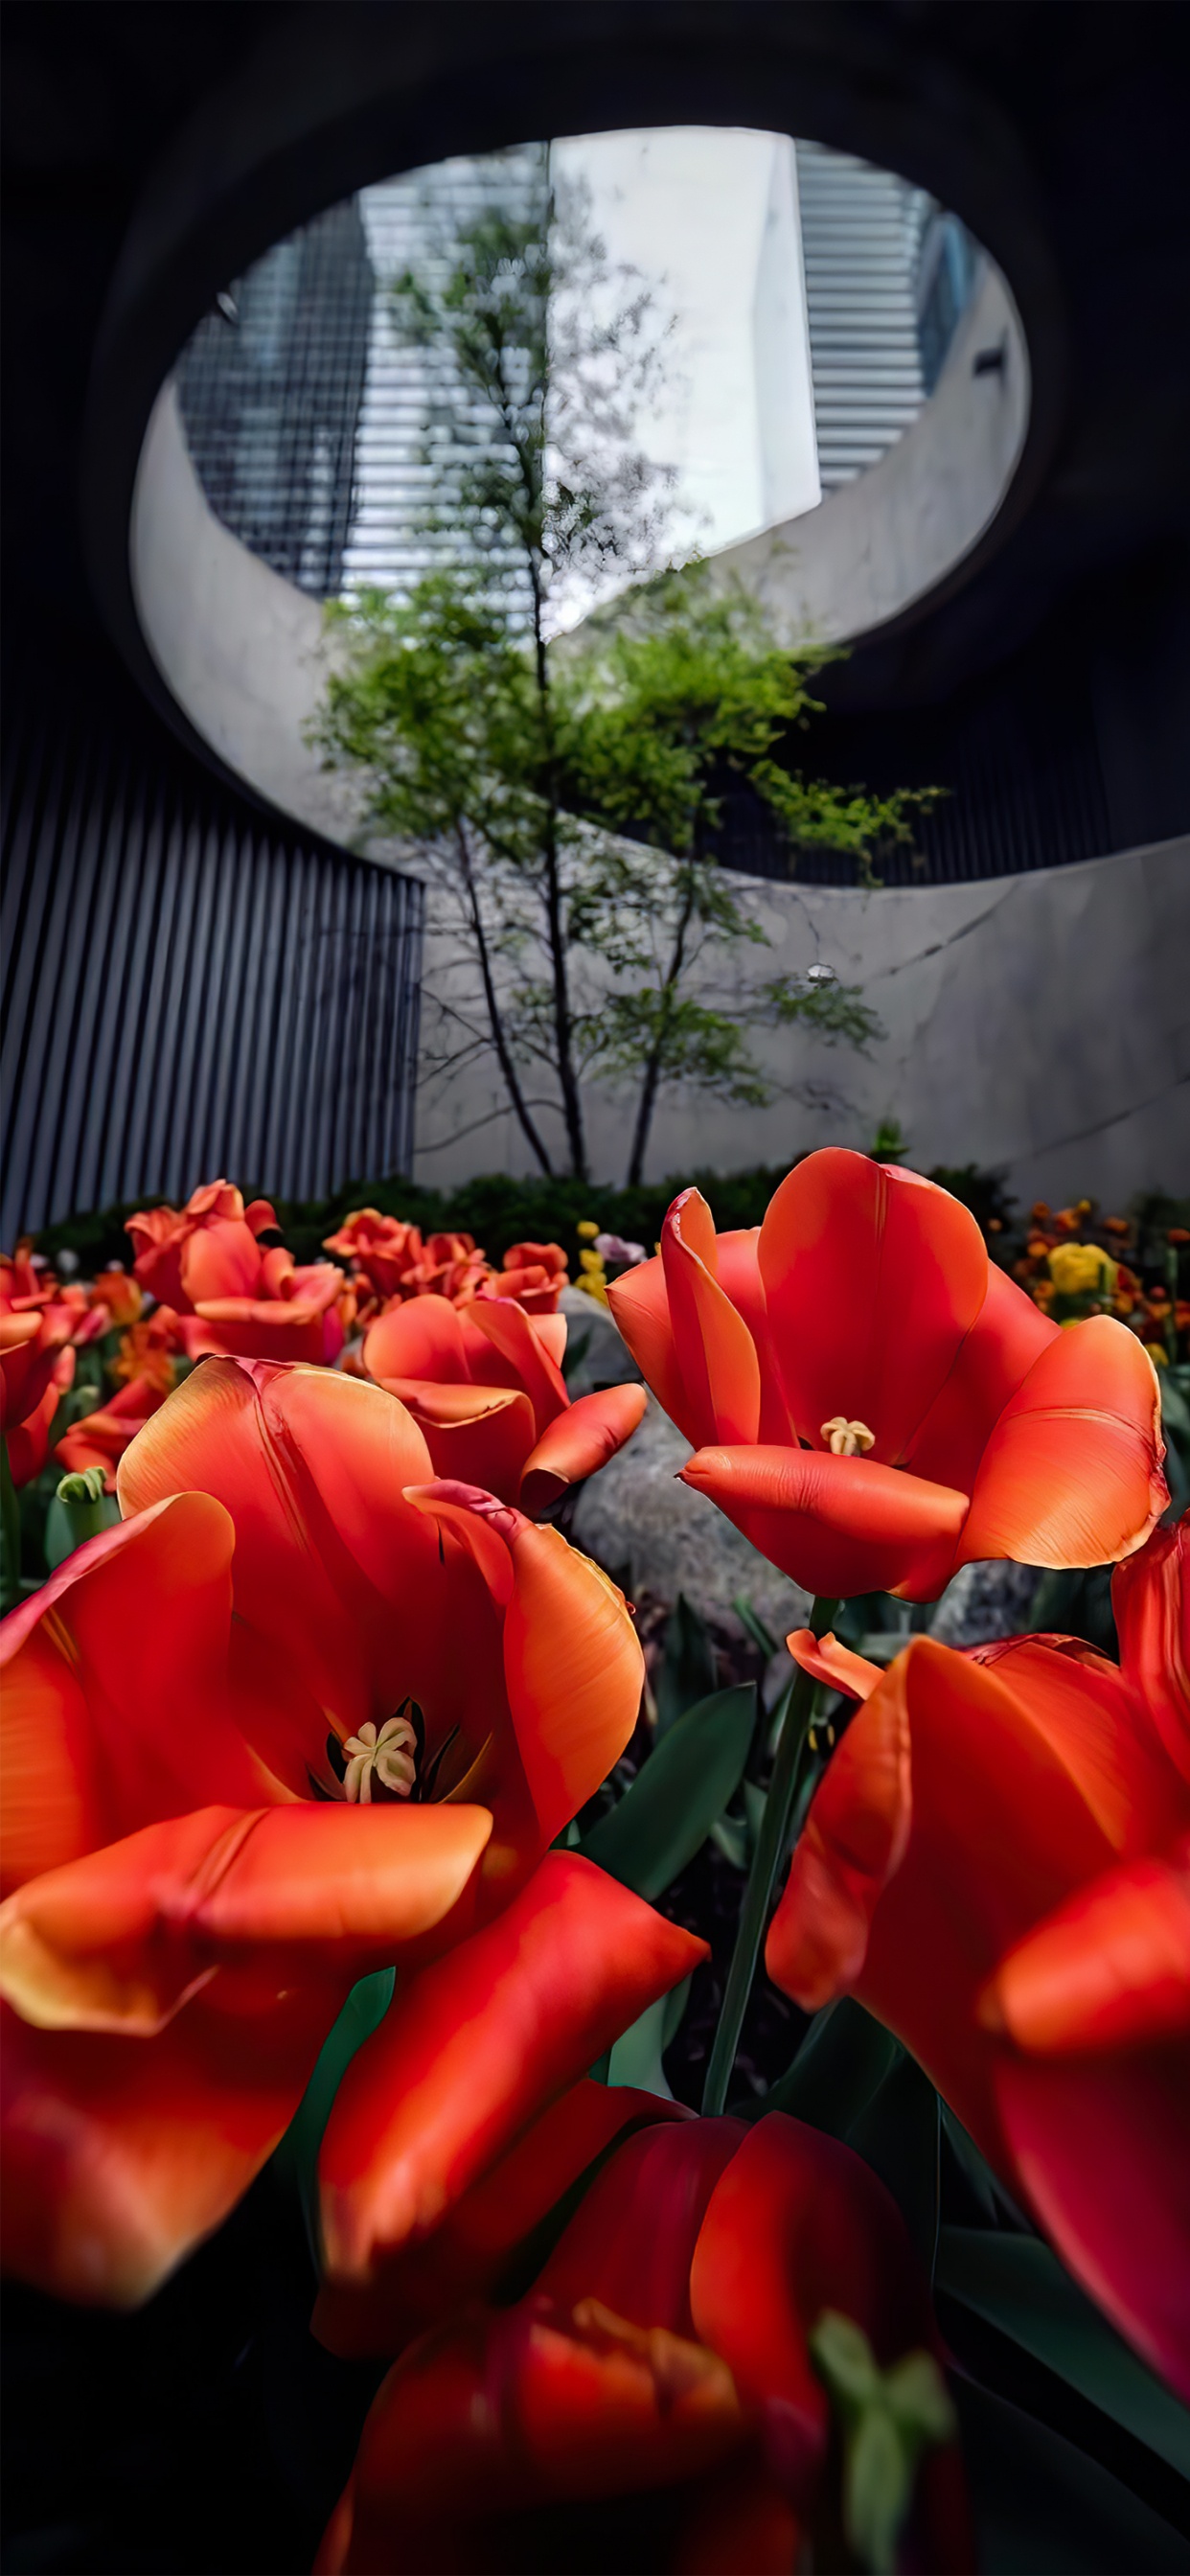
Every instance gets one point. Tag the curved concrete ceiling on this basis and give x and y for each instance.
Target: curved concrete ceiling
(334, 99)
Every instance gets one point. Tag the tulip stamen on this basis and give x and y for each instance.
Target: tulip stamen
(389, 1757)
(847, 1439)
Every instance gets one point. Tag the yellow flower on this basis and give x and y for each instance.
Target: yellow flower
(594, 1279)
(1082, 1269)
(587, 1227)
(1158, 1354)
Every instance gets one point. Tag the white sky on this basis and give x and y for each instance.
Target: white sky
(709, 216)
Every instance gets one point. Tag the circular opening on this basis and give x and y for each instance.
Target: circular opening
(789, 361)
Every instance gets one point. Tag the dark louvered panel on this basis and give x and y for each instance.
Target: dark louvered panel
(188, 989)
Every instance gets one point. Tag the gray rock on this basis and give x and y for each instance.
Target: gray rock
(985, 1601)
(605, 1357)
(636, 1520)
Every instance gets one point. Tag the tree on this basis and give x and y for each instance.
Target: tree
(566, 790)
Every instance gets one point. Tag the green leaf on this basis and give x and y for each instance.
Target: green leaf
(635, 2057)
(10, 1534)
(687, 1672)
(888, 2418)
(1017, 2284)
(996, 2203)
(667, 1814)
(1041, 2504)
(898, 2133)
(298, 2152)
(761, 1636)
(842, 2062)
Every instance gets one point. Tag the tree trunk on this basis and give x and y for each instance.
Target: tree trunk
(655, 1060)
(572, 1107)
(495, 1017)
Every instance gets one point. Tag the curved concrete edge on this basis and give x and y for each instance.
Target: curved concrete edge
(244, 654)
(897, 539)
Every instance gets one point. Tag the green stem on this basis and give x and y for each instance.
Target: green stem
(766, 1861)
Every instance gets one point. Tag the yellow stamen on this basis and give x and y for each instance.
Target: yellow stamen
(846, 1439)
(390, 1757)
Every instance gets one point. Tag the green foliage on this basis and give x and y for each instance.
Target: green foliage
(688, 1780)
(297, 2155)
(888, 2417)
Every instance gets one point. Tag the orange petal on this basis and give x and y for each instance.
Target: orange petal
(476, 1435)
(28, 1441)
(114, 1711)
(119, 1940)
(1151, 1600)
(837, 1525)
(220, 1260)
(579, 1442)
(1008, 1334)
(481, 2042)
(513, 1337)
(854, 1841)
(1101, 2150)
(1072, 1472)
(640, 1308)
(118, 2155)
(468, 2255)
(1109, 1969)
(421, 1339)
(716, 1352)
(341, 1599)
(830, 1662)
(872, 1278)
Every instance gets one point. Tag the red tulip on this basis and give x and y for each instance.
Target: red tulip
(874, 1404)
(535, 1274)
(998, 1864)
(38, 1318)
(485, 1387)
(658, 2373)
(201, 1850)
(28, 1442)
(290, 1313)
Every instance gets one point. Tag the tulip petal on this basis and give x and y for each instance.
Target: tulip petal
(837, 1525)
(918, 1922)
(579, 1442)
(716, 1352)
(478, 2044)
(1072, 1472)
(220, 1260)
(341, 1598)
(507, 2411)
(476, 1435)
(798, 2223)
(467, 2256)
(1008, 1334)
(854, 1840)
(632, 2238)
(423, 1338)
(119, 1940)
(118, 2155)
(28, 1441)
(113, 1710)
(508, 1329)
(872, 1278)
(1150, 1596)
(640, 1308)
(1109, 1969)
(1103, 2156)
(829, 1661)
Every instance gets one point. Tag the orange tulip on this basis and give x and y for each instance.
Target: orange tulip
(146, 1350)
(38, 1318)
(998, 1863)
(119, 1294)
(874, 1404)
(28, 1442)
(191, 1883)
(100, 1439)
(206, 1249)
(659, 2368)
(535, 1274)
(381, 1247)
(487, 1390)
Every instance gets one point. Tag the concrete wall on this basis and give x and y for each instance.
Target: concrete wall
(1038, 1022)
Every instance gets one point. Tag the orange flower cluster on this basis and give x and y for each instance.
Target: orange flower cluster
(392, 1262)
(329, 1699)
(204, 1265)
